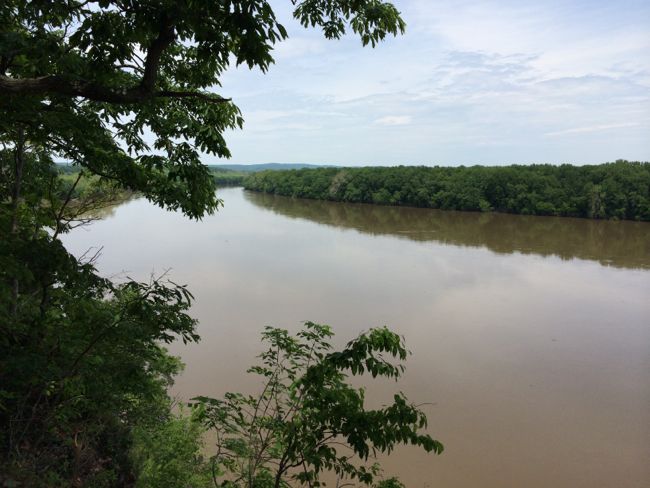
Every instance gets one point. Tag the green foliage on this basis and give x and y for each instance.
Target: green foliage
(168, 453)
(82, 360)
(120, 89)
(87, 193)
(250, 168)
(309, 419)
(88, 80)
(227, 177)
(619, 190)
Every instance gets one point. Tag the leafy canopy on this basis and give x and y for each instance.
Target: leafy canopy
(125, 87)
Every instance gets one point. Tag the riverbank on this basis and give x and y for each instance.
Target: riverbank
(619, 190)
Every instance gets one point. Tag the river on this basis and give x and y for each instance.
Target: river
(530, 335)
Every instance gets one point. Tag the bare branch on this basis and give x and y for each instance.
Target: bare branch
(59, 216)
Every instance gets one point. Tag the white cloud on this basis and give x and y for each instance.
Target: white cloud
(593, 128)
(394, 120)
(484, 81)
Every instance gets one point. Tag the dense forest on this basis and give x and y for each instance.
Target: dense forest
(252, 168)
(619, 190)
(226, 177)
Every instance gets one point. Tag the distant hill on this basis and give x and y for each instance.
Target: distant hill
(250, 168)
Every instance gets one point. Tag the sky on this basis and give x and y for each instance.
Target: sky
(470, 82)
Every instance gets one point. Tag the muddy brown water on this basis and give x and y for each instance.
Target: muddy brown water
(530, 336)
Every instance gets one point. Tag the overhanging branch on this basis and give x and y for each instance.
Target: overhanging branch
(145, 90)
(191, 94)
(59, 85)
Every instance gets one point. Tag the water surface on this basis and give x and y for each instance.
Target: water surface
(530, 336)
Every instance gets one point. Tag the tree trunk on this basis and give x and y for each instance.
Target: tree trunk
(19, 165)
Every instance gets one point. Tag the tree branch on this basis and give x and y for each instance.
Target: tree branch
(191, 94)
(145, 90)
(60, 85)
(166, 36)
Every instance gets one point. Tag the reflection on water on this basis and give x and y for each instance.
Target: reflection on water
(621, 244)
(536, 367)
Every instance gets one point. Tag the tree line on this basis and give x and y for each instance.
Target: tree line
(227, 177)
(618, 190)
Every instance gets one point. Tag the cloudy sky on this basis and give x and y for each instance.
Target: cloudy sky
(471, 82)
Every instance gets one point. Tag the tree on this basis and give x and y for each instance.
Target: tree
(619, 190)
(82, 362)
(87, 80)
(308, 419)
